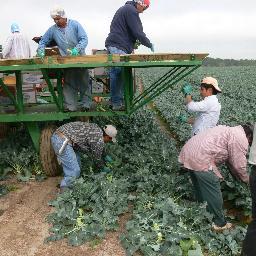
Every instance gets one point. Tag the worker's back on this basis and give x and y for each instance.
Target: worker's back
(16, 47)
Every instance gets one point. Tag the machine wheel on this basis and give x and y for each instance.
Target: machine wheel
(47, 156)
(3, 130)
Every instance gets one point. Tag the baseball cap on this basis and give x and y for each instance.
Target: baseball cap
(111, 131)
(212, 81)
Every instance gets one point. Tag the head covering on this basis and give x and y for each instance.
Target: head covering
(111, 131)
(212, 81)
(15, 27)
(144, 3)
(57, 11)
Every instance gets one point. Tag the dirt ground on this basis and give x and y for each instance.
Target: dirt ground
(23, 225)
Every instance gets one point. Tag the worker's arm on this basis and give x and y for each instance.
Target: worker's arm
(136, 28)
(193, 106)
(237, 161)
(82, 36)
(45, 40)
(97, 151)
(7, 47)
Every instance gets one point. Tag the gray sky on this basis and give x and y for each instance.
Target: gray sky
(223, 28)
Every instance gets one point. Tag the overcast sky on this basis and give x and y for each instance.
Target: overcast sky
(223, 28)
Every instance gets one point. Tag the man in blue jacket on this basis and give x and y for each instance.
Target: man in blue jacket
(72, 40)
(125, 30)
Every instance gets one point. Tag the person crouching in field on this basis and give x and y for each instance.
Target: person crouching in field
(73, 137)
(201, 155)
(249, 244)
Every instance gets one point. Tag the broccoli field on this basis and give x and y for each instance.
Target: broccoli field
(146, 183)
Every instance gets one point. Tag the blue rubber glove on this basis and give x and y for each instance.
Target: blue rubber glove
(152, 48)
(73, 52)
(183, 119)
(40, 53)
(105, 169)
(187, 89)
(108, 159)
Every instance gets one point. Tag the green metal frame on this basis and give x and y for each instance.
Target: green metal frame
(31, 115)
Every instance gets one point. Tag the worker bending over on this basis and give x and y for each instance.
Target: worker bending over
(208, 110)
(73, 137)
(201, 155)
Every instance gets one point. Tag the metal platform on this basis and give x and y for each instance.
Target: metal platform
(179, 66)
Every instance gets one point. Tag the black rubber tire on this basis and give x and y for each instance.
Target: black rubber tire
(4, 128)
(47, 155)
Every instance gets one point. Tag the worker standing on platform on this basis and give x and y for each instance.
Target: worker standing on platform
(125, 31)
(71, 40)
(16, 45)
(200, 157)
(208, 109)
(73, 137)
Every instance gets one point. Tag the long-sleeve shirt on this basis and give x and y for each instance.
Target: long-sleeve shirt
(73, 35)
(126, 27)
(208, 113)
(86, 137)
(16, 47)
(204, 151)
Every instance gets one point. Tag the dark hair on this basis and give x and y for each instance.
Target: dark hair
(248, 129)
(208, 86)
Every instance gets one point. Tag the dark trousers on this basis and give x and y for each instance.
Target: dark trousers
(249, 244)
(253, 190)
(207, 189)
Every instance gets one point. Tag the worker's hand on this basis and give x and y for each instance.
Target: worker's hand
(182, 119)
(108, 159)
(136, 44)
(152, 48)
(106, 169)
(187, 89)
(40, 53)
(73, 52)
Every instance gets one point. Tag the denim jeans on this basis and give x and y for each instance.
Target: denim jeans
(69, 159)
(116, 83)
(76, 80)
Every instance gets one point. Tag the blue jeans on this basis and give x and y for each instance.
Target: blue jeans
(76, 80)
(116, 83)
(69, 159)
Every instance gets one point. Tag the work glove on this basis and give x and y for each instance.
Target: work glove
(73, 52)
(40, 53)
(106, 169)
(137, 44)
(182, 119)
(187, 89)
(108, 159)
(152, 48)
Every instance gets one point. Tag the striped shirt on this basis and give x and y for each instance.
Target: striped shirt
(208, 113)
(215, 146)
(86, 137)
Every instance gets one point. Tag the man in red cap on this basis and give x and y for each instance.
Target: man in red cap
(126, 31)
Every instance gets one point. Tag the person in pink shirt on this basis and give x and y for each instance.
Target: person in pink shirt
(204, 152)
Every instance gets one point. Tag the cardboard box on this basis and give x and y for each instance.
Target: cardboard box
(29, 93)
(32, 78)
